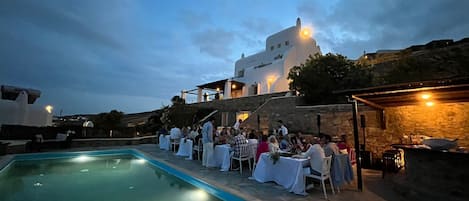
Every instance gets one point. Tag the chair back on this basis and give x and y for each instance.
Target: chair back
(253, 149)
(244, 151)
(199, 145)
(326, 166)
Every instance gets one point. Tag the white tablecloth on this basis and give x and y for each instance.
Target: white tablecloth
(287, 172)
(185, 148)
(222, 157)
(164, 142)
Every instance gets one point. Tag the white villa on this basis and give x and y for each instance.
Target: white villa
(17, 107)
(264, 72)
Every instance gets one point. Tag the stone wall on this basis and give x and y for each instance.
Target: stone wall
(248, 103)
(434, 175)
(232, 106)
(441, 120)
(449, 120)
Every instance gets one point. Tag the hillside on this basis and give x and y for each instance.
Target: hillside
(435, 60)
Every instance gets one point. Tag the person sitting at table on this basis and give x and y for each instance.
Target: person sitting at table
(297, 141)
(222, 138)
(344, 147)
(263, 147)
(307, 144)
(284, 145)
(252, 134)
(194, 132)
(236, 143)
(185, 131)
(163, 131)
(175, 133)
(330, 148)
(316, 155)
(273, 144)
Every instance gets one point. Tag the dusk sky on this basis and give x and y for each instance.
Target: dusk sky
(91, 56)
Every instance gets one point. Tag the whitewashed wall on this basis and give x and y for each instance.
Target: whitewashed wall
(19, 112)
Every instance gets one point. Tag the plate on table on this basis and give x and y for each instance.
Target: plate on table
(286, 154)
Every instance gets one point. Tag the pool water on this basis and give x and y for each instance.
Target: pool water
(123, 177)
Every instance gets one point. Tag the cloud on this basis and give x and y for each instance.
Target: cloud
(193, 20)
(349, 27)
(215, 42)
(261, 26)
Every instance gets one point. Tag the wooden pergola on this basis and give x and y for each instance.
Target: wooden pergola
(404, 94)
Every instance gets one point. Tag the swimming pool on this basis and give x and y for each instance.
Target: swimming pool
(117, 175)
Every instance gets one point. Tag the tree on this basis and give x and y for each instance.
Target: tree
(109, 121)
(320, 75)
(177, 100)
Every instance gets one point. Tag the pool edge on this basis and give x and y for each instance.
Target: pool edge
(219, 191)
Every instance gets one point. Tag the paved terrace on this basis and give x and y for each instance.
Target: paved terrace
(375, 188)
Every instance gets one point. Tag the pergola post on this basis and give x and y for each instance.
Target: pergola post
(183, 94)
(227, 91)
(357, 145)
(199, 94)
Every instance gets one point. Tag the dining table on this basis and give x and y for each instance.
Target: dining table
(286, 171)
(164, 142)
(185, 148)
(222, 156)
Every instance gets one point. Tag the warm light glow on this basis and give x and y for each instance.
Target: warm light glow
(429, 104)
(306, 32)
(49, 108)
(270, 80)
(242, 115)
(426, 96)
(218, 88)
(233, 86)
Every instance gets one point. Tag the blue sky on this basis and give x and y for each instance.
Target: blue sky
(92, 56)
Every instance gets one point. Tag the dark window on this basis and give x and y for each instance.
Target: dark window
(279, 45)
(241, 73)
(287, 43)
(271, 48)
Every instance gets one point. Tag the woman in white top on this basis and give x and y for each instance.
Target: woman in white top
(273, 144)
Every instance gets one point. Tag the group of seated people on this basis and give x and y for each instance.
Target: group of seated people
(225, 135)
(315, 148)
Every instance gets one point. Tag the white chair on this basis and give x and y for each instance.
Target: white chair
(174, 142)
(198, 148)
(325, 174)
(253, 150)
(244, 155)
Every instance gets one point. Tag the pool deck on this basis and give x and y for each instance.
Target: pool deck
(375, 188)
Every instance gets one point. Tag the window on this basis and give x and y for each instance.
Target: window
(240, 73)
(224, 119)
(287, 43)
(272, 48)
(243, 115)
(279, 45)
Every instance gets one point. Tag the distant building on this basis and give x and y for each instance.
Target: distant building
(264, 72)
(17, 107)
